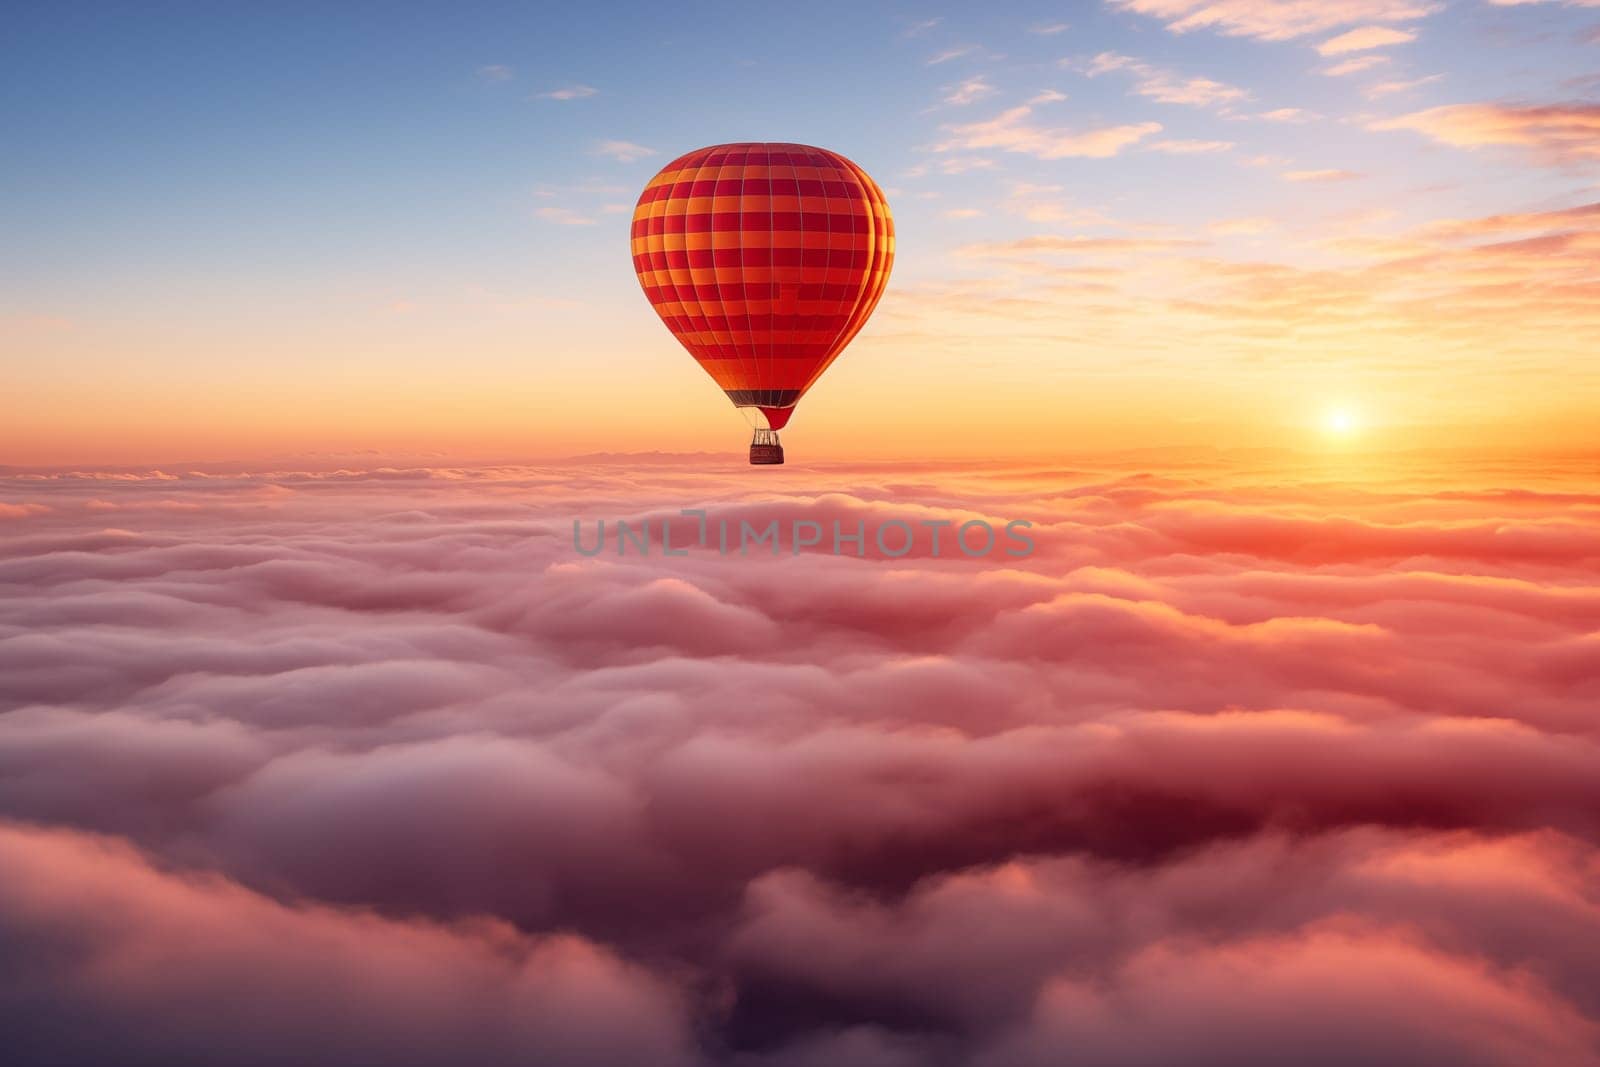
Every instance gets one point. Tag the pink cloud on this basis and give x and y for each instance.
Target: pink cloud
(384, 759)
(1359, 40)
(1274, 20)
(1553, 133)
(1015, 130)
(1344, 993)
(136, 963)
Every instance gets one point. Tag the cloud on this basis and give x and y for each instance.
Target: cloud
(1274, 20)
(1073, 245)
(1355, 66)
(1042, 203)
(364, 760)
(1320, 175)
(1333, 987)
(1579, 217)
(571, 92)
(1243, 226)
(1189, 148)
(623, 151)
(1553, 134)
(495, 72)
(964, 164)
(1165, 86)
(969, 91)
(1049, 29)
(1392, 87)
(1359, 40)
(1503, 294)
(563, 216)
(1377, 990)
(951, 53)
(1012, 131)
(1287, 114)
(131, 963)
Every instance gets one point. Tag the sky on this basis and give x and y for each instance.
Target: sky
(1363, 224)
(322, 740)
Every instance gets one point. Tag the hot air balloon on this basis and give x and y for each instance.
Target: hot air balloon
(764, 260)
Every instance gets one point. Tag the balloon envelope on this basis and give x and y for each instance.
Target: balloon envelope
(764, 260)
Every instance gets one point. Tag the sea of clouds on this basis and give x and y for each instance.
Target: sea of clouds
(1253, 761)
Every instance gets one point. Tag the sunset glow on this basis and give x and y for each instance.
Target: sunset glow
(1341, 422)
(1168, 636)
(1161, 225)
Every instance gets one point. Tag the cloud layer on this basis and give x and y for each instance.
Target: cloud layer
(364, 765)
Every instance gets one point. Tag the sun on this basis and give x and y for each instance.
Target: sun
(1340, 422)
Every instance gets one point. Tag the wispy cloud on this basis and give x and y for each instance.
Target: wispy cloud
(952, 53)
(1075, 245)
(1355, 65)
(1554, 134)
(1275, 20)
(1491, 293)
(623, 151)
(1190, 148)
(1320, 175)
(1243, 227)
(1287, 114)
(1013, 131)
(923, 26)
(1583, 218)
(570, 92)
(1389, 88)
(1045, 203)
(1165, 86)
(964, 164)
(564, 216)
(1363, 39)
(586, 187)
(969, 91)
(495, 72)
(1050, 29)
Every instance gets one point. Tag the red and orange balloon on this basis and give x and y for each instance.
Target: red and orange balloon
(764, 260)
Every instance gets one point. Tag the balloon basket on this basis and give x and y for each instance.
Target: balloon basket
(765, 451)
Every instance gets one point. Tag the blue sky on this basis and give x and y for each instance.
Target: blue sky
(191, 172)
(205, 136)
